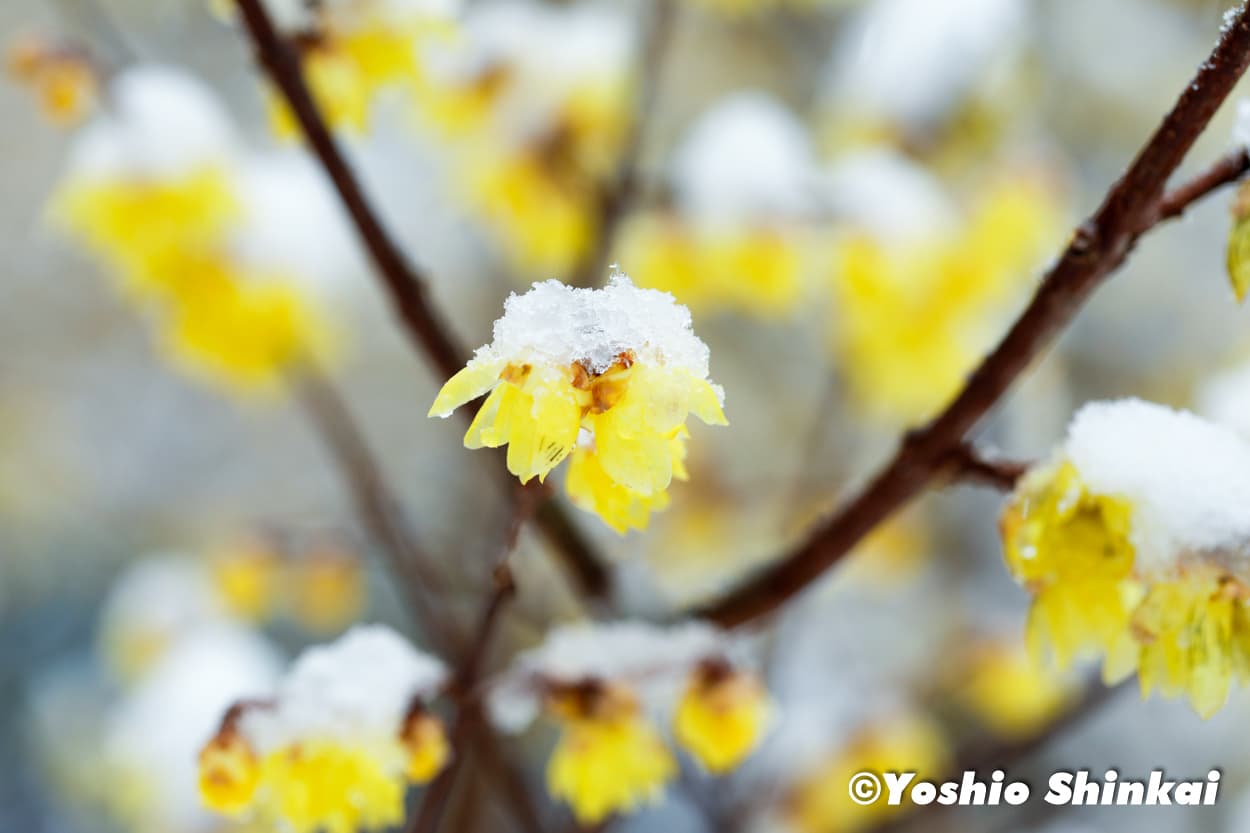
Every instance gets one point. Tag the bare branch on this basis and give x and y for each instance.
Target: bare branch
(404, 285)
(1134, 204)
(469, 715)
(966, 464)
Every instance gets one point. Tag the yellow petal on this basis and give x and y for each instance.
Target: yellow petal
(470, 383)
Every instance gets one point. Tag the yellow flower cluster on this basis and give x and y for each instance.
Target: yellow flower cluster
(63, 80)
(335, 751)
(167, 231)
(535, 132)
(354, 52)
(913, 319)
(820, 802)
(610, 759)
(752, 270)
(1186, 632)
(322, 588)
(617, 404)
(1003, 688)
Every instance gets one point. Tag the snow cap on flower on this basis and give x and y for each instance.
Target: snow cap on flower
(357, 688)
(748, 158)
(161, 122)
(561, 324)
(1187, 479)
(911, 60)
(888, 196)
(644, 655)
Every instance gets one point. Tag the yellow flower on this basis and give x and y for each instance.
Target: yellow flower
(821, 804)
(1010, 693)
(248, 576)
(756, 271)
(913, 319)
(63, 79)
(425, 741)
(327, 588)
(334, 758)
(143, 228)
(627, 415)
(229, 773)
(608, 758)
(1072, 550)
(250, 331)
(544, 218)
(722, 716)
(1123, 576)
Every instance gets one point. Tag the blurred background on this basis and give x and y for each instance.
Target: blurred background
(854, 197)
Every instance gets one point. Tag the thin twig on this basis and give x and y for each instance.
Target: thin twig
(967, 464)
(1133, 205)
(404, 285)
(469, 713)
(616, 198)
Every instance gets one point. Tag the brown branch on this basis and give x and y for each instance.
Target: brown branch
(617, 197)
(404, 285)
(469, 715)
(1226, 171)
(966, 464)
(1100, 245)
(376, 506)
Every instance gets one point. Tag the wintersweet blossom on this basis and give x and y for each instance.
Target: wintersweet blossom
(737, 238)
(916, 307)
(604, 685)
(1132, 541)
(532, 104)
(1000, 685)
(159, 188)
(606, 376)
(347, 730)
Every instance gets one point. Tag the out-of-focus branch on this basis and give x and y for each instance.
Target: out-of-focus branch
(376, 506)
(617, 197)
(402, 282)
(967, 464)
(469, 714)
(1134, 204)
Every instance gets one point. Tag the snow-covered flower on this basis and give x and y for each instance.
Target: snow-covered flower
(607, 685)
(608, 376)
(744, 189)
(347, 729)
(1133, 541)
(158, 188)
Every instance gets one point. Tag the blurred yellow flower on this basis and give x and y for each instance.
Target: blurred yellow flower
(755, 271)
(722, 716)
(1010, 693)
(327, 588)
(608, 759)
(144, 227)
(820, 802)
(248, 577)
(63, 79)
(912, 319)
